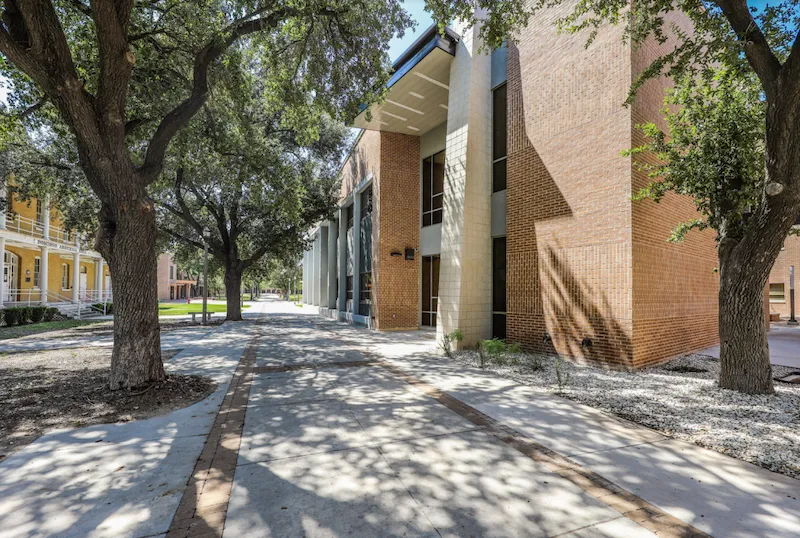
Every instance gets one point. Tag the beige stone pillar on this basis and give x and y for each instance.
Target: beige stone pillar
(465, 278)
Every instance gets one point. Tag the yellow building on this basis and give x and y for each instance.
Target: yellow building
(43, 262)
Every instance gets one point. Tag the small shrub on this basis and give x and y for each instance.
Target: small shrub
(482, 358)
(37, 314)
(50, 313)
(562, 378)
(514, 348)
(24, 315)
(495, 346)
(447, 341)
(2, 315)
(12, 316)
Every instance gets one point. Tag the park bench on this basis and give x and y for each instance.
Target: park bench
(195, 314)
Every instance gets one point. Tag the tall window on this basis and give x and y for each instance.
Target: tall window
(499, 148)
(432, 189)
(499, 287)
(430, 289)
(64, 276)
(365, 265)
(350, 262)
(37, 267)
(172, 272)
(777, 293)
(39, 211)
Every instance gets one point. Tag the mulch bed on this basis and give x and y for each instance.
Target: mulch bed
(68, 388)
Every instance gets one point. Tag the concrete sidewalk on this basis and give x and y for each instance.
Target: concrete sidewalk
(717, 494)
(119, 480)
(784, 345)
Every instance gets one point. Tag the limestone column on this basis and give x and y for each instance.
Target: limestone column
(306, 268)
(2, 267)
(465, 278)
(322, 279)
(315, 271)
(332, 264)
(76, 277)
(356, 250)
(98, 278)
(44, 273)
(341, 300)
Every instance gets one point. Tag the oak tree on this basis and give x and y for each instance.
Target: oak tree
(123, 77)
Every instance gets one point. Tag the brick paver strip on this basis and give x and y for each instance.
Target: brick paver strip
(204, 504)
(311, 366)
(626, 503)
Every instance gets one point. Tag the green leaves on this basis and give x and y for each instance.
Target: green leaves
(713, 150)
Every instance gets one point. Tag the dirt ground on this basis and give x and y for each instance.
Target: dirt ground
(67, 388)
(106, 328)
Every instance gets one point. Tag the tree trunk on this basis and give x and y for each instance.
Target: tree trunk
(128, 242)
(233, 288)
(744, 348)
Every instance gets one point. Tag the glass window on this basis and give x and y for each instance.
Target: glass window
(64, 276)
(430, 289)
(433, 188)
(37, 267)
(499, 138)
(172, 272)
(777, 293)
(499, 287)
(350, 220)
(39, 211)
(365, 294)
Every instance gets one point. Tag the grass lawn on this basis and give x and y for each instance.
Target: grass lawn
(181, 309)
(7, 333)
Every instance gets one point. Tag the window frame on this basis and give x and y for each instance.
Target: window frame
(65, 275)
(37, 272)
(503, 158)
(774, 297)
(434, 212)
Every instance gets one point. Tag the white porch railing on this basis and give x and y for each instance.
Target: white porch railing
(34, 228)
(17, 297)
(24, 225)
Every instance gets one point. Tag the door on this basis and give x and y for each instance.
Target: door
(430, 289)
(83, 280)
(10, 271)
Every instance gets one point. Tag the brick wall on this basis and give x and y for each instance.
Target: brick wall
(584, 261)
(790, 255)
(393, 160)
(397, 221)
(675, 287)
(568, 201)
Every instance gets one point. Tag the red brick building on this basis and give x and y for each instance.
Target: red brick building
(488, 193)
(780, 284)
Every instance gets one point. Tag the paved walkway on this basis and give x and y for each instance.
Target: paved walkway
(784, 345)
(323, 429)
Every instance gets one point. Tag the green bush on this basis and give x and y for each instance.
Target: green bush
(514, 348)
(495, 346)
(37, 313)
(2, 315)
(109, 307)
(50, 313)
(12, 316)
(25, 314)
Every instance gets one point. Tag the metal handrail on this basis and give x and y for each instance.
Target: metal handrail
(18, 293)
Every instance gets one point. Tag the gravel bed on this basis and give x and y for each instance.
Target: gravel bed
(680, 398)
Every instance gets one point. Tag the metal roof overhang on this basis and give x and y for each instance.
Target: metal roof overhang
(417, 96)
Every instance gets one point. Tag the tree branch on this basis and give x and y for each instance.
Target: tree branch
(756, 48)
(181, 237)
(178, 117)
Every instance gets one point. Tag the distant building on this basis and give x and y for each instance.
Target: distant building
(173, 282)
(42, 261)
(779, 284)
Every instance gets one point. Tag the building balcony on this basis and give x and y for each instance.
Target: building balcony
(34, 231)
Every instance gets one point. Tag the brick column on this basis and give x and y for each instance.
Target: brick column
(332, 264)
(44, 270)
(341, 300)
(465, 279)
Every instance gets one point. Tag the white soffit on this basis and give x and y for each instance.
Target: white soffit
(417, 102)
